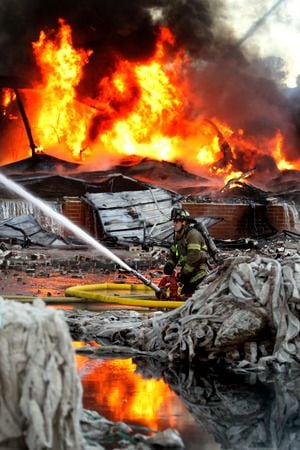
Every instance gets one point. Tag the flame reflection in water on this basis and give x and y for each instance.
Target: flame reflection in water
(116, 391)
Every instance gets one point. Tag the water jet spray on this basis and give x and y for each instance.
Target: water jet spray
(11, 185)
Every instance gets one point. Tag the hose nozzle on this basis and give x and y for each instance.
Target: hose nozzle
(145, 280)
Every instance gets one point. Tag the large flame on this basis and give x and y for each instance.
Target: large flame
(141, 108)
(59, 119)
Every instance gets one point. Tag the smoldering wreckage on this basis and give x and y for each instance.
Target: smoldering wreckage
(243, 319)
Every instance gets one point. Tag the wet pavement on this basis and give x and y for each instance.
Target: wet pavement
(212, 410)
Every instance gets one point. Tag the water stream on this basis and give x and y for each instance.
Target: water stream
(64, 221)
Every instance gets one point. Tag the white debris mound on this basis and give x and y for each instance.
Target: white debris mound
(39, 388)
(246, 313)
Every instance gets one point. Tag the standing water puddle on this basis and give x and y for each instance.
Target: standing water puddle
(211, 411)
(115, 390)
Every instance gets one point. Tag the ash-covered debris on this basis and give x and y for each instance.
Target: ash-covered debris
(5, 254)
(81, 258)
(23, 269)
(245, 314)
(285, 243)
(98, 430)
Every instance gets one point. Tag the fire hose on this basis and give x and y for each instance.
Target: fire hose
(145, 281)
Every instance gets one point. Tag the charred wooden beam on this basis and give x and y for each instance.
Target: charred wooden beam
(26, 122)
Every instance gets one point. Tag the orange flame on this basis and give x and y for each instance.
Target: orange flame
(141, 109)
(60, 119)
(8, 96)
(150, 129)
(6, 99)
(282, 163)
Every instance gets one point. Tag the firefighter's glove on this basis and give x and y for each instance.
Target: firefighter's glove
(168, 269)
(182, 278)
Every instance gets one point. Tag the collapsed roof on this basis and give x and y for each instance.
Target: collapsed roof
(161, 174)
(134, 216)
(57, 186)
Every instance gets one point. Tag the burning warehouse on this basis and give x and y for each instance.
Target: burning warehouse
(131, 83)
(114, 113)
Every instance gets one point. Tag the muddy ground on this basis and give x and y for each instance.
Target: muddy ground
(46, 271)
(40, 271)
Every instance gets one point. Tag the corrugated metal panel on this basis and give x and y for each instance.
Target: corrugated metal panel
(135, 216)
(26, 230)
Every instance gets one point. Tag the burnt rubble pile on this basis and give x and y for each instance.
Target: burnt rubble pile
(246, 315)
(70, 261)
(234, 191)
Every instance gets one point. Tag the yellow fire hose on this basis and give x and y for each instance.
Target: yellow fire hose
(122, 294)
(137, 295)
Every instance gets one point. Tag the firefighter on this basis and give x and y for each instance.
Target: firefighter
(188, 250)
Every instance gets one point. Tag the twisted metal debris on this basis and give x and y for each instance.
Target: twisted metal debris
(246, 315)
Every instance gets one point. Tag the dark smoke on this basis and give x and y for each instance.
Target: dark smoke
(238, 90)
(105, 26)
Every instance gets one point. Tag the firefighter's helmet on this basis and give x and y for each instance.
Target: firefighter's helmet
(180, 214)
